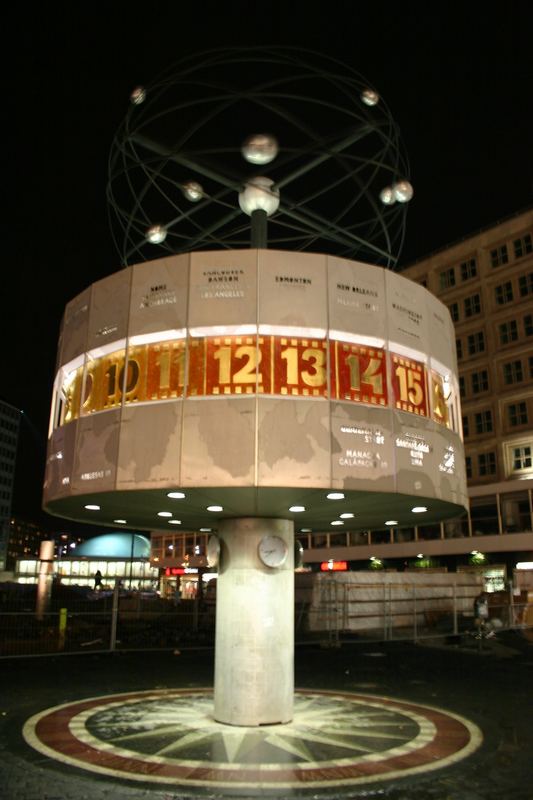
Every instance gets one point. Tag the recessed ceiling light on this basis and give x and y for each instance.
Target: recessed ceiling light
(120, 521)
(215, 508)
(419, 509)
(206, 530)
(346, 515)
(174, 522)
(420, 555)
(164, 513)
(335, 496)
(92, 508)
(305, 530)
(391, 522)
(296, 509)
(337, 522)
(176, 495)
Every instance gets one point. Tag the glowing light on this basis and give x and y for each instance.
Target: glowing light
(192, 191)
(174, 522)
(260, 148)
(164, 513)
(91, 507)
(138, 95)
(403, 191)
(419, 509)
(120, 521)
(156, 234)
(391, 522)
(347, 515)
(387, 196)
(370, 97)
(206, 530)
(259, 194)
(297, 509)
(335, 496)
(215, 508)
(337, 522)
(176, 495)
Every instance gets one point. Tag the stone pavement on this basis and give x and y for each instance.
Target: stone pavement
(491, 688)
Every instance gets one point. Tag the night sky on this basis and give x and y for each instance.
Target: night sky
(458, 79)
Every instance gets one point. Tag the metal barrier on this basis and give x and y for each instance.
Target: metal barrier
(390, 612)
(103, 621)
(121, 621)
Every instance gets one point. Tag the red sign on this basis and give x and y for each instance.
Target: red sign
(334, 566)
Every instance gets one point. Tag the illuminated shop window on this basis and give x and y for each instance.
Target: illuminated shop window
(499, 256)
(523, 246)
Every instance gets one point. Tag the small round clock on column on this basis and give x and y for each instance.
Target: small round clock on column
(213, 551)
(272, 551)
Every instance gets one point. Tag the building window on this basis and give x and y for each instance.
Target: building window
(528, 325)
(483, 420)
(499, 256)
(472, 305)
(466, 431)
(525, 284)
(459, 348)
(523, 246)
(512, 372)
(517, 414)
(504, 293)
(462, 386)
(486, 464)
(531, 366)
(476, 343)
(447, 278)
(468, 269)
(453, 308)
(480, 381)
(508, 332)
(522, 457)
(468, 463)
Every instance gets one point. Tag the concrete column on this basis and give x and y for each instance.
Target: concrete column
(254, 650)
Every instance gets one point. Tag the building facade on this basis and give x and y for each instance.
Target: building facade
(486, 281)
(9, 431)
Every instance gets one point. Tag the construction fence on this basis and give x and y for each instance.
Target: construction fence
(328, 609)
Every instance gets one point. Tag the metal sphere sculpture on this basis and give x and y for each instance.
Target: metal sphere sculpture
(302, 123)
